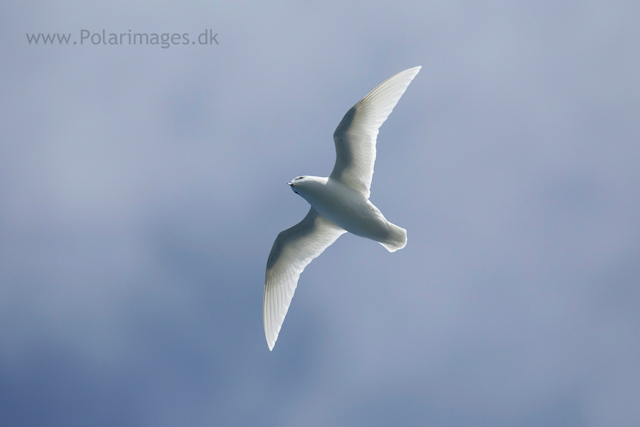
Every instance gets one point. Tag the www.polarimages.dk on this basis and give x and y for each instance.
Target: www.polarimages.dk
(164, 40)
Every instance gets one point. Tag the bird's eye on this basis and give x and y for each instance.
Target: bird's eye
(300, 177)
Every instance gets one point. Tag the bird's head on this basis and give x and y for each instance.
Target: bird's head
(296, 183)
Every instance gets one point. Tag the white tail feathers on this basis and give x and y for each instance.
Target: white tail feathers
(397, 238)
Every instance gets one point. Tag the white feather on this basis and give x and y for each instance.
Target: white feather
(355, 136)
(292, 251)
(339, 203)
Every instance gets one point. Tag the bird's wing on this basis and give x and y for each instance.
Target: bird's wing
(292, 251)
(355, 136)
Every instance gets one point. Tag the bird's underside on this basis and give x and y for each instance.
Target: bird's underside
(338, 203)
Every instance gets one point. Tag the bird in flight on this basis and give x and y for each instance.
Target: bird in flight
(339, 203)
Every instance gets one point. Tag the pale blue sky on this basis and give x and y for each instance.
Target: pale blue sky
(141, 190)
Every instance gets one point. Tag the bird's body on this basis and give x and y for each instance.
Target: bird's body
(339, 203)
(349, 210)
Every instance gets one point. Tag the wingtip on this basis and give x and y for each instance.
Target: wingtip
(415, 70)
(271, 342)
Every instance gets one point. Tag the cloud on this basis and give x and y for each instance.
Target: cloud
(141, 190)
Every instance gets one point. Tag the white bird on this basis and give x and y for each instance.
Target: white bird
(339, 203)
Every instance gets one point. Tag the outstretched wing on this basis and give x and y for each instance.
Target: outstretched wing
(292, 251)
(355, 136)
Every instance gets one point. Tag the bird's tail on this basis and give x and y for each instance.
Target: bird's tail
(397, 238)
